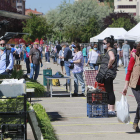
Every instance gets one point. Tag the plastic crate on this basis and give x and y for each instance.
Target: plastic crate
(46, 72)
(97, 97)
(99, 86)
(97, 110)
(13, 117)
(15, 132)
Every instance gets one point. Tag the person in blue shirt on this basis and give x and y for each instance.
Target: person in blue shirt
(26, 55)
(6, 65)
(67, 56)
(13, 51)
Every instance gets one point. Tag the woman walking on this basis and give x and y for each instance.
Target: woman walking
(84, 51)
(78, 70)
(93, 55)
(61, 57)
(133, 80)
(108, 71)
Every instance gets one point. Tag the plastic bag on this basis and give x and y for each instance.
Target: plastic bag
(120, 62)
(123, 110)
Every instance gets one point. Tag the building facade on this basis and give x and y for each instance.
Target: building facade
(28, 11)
(138, 8)
(126, 6)
(21, 6)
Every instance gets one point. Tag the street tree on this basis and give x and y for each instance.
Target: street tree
(37, 27)
(124, 20)
(72, 17)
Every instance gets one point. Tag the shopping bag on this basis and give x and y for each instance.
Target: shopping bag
(126, 70)
(123, 110)
(120, 62)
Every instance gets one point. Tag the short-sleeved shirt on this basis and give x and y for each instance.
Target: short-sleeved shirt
(126, 48)
(35, 55)
(84, 52)
(78, 68)
(13, 50)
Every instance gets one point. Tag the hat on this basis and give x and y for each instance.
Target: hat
(73, 46)
(35, 43)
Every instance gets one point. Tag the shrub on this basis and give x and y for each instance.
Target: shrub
(44, 123)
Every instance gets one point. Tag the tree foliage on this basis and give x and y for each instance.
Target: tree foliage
(37, 27)
(124, 20)
(73, 18)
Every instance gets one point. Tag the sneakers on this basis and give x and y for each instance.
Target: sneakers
(136, 127)
(75, 95)
(111, 113)
(66, 85)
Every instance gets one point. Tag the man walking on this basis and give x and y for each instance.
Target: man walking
(67, 56)
(35, 60)
(6, 59)
(126, 52)
(58, 48)
(47, 53)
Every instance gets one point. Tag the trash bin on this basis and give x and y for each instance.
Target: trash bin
(46, 72)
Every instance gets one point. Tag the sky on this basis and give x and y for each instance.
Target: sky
(44, 5)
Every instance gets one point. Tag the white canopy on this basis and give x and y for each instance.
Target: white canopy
(134, 33)
(118, 33)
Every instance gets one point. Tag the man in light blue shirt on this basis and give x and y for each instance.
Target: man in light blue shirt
(5, 64)
(126, 52)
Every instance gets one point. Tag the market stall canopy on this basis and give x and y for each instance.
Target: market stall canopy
(13, 15)
(134, 33)
(118, 33)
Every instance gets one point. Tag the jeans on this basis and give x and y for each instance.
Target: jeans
(78, 77)
(67, 69)
(126, 59)
(136, 93)
(35, 69)
(84, 59)
(47, 56)
(118, 58)
(93, 66)
(109, 89)
(27, 64)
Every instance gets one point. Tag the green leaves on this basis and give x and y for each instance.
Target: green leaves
(44, 123)
(74, 18)
(37, 27)
(122, 22)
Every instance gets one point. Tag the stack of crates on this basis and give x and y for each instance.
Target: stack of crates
(97, 104)
(13, 118)
(46, 72)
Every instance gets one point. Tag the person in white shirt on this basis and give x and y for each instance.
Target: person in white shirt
(18, 55)
(61, 57)
(93, 55)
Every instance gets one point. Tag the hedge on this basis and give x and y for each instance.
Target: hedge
(44, 122)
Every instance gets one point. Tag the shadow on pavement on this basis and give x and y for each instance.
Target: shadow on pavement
(132, 112)
(55, 116)
(133, 132)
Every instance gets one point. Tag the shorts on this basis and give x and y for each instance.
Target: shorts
(62, 63)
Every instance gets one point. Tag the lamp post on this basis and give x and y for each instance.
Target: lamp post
(60, 34)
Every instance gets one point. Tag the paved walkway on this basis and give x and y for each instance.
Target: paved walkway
(70, 121)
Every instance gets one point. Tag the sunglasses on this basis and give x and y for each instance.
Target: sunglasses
(104, 43)
(2, 44)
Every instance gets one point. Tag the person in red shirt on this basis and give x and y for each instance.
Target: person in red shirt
(136, 91)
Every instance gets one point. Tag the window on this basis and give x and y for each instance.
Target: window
(126, 6)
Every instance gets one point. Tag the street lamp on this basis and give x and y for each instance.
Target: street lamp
(60, 34)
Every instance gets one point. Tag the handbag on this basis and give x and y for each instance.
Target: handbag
(27, 55)
(100, 78)
(71, 66)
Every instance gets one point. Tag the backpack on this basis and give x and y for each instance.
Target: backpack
(7, 57)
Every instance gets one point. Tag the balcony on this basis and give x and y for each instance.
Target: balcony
(19, 4)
